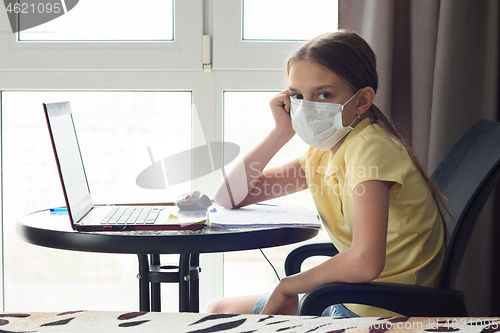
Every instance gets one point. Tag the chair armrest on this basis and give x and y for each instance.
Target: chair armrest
(408, 300)
(296, 257)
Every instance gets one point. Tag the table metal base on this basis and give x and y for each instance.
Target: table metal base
(152, 273)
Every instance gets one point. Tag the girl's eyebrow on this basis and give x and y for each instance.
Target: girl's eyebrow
(325, 86)
(316, 88)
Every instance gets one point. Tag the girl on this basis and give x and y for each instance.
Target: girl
(374, 199)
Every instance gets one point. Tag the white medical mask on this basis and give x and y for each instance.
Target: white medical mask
(319, 124)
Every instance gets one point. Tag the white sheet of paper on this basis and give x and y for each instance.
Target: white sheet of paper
(262, 216)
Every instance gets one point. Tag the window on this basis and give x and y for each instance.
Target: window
(248, 119)
(125, 43)
(90, 20)
(142, 87)
(250, 35)
(294, 20)
(114, 129)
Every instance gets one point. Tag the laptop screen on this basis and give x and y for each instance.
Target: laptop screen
(69, 160)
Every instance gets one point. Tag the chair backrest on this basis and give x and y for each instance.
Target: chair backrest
(466, 176)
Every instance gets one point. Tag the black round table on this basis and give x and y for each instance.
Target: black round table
(51, 230)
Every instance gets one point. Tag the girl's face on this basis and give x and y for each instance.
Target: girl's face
(314, 82)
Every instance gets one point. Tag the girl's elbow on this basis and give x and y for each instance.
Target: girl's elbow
(222, 199)
(373, 272)
(371, 268)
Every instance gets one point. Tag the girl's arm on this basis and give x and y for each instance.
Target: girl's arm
(362, 262)
(247, 182)
(277, 182)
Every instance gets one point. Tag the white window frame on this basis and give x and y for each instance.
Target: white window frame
(2, 286)
(184, 53)
(126, 66)
(230, 52)
(237, 65)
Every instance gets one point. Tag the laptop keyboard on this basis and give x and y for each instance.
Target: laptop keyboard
(131, 215)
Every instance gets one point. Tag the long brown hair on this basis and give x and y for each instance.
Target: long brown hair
(349, 56)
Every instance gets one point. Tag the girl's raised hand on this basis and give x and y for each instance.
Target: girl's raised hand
(280, 107)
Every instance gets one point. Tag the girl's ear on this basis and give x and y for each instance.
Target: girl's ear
(365, 100)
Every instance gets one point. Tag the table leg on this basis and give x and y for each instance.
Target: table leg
(194, 288)
(184, 282)
(155, 287)
(143, 282)
(189, 283)
(187, 276)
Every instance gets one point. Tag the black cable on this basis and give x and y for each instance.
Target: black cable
(274, 269)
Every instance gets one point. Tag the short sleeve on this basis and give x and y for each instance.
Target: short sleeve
(302, 160)
(304, 157)
(374, 157)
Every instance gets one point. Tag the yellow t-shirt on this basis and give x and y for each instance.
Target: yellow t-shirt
(415, 247)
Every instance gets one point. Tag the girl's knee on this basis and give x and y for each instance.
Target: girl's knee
(234, 305)
(216, 306)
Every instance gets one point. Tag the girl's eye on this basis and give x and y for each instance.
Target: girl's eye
(296, 96)
(324, 96)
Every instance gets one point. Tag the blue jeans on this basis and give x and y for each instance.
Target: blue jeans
(337, 310)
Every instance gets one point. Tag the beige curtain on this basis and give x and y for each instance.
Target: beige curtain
(438, 63)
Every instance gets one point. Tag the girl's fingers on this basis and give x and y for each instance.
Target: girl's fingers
(282, 100)
(280, 108)
(286, 101)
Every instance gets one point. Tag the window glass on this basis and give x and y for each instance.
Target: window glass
(114, 131)
(110, 20)
(247, 120)
(288, 20)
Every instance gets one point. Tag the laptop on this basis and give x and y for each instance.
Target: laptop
(83, 214)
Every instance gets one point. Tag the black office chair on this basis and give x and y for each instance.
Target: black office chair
(466, 176)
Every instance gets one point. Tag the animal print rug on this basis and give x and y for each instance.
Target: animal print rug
(110, 322)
